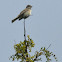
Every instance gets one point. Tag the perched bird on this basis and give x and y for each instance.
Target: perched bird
(24, 14)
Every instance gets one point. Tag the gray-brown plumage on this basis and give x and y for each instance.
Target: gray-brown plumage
(24, 14)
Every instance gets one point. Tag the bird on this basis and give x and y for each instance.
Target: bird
(24, 14)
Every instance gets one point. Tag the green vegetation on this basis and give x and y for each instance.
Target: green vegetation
(22, 52)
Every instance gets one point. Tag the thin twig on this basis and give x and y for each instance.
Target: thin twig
(48, 46)
(24, 31)
(25, 38)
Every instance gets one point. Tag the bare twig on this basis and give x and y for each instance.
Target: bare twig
(24, 31)
(25, 39)
(48, 46)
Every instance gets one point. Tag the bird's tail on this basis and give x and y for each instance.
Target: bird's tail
(14, 19)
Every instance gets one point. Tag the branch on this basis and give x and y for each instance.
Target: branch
(24, 32)
(25, 39)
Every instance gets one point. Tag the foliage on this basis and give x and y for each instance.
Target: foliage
(21, 52)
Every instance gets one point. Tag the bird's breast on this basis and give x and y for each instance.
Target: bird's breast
(27, 13)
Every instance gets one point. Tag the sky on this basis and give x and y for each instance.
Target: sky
(44, 26)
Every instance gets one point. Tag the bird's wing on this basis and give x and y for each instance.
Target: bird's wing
(23, 12)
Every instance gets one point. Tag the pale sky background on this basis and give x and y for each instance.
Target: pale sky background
(44, 26)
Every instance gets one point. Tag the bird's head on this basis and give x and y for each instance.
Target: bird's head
(29, 6)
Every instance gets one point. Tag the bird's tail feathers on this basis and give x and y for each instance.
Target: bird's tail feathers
(14, 19)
